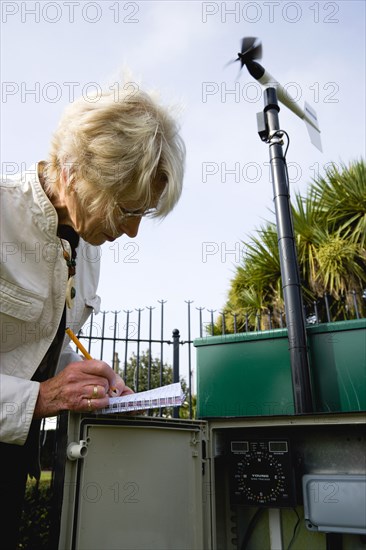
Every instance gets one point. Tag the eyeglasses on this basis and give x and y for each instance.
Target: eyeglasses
(124, 213)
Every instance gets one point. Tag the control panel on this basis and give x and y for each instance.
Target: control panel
(261, 473)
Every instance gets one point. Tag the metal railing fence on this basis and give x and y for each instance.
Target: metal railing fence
(137, 337)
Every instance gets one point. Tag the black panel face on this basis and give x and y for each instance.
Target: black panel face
(261, 473)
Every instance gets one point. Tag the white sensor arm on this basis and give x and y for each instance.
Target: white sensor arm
(307, 114)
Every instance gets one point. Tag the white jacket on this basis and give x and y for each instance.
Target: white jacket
(34, 275)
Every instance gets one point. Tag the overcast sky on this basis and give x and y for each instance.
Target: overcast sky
(55, 51)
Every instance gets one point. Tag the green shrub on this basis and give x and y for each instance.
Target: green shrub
(34, 530)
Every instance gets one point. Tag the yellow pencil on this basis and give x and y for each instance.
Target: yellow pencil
(81, 348)
(78, 344)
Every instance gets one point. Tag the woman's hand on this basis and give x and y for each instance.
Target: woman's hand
(83, 386)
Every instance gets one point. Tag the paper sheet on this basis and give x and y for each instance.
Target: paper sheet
(165, 396)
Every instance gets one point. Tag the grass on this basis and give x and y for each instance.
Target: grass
(46, 475)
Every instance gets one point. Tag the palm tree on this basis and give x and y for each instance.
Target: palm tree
(340, 199)
(330, 232)
(339, 269)
(341, 196)
(309, 232)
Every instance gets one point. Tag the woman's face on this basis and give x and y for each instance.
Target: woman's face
(94, 229)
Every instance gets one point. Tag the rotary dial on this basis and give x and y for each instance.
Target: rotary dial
(260, 478)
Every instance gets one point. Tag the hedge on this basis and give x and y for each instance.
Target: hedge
(34, 530)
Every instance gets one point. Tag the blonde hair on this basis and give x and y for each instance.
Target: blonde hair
(115, 148)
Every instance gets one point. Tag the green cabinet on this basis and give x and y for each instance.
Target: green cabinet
(249, 374)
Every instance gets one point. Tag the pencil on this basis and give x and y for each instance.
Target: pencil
(81, 348)
(78, 344)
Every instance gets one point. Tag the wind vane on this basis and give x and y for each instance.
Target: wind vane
(251, 49)
(270, 131)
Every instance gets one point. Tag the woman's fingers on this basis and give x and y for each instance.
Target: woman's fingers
(83, 386)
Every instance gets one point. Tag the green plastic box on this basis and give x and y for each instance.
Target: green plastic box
(249, 374)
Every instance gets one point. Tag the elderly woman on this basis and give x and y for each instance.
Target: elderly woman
(113, 161)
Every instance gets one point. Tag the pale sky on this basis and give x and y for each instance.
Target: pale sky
(54, 51)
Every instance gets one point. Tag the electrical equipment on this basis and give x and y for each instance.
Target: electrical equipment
(261, 473)
(335, 503)
(139, 486)
(159, 484)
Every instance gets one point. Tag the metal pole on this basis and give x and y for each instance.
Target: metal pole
(223, 326)
(235, 315)
(149, 352)
(126, 343)
(176, 365)
(212, 311)
(327, 307)
(189, 302)
(90, 331)
(114, 335)
(289, 267)
(162, 302)
(102, 336)
(200, 309)
(137, 382)
(355, 304)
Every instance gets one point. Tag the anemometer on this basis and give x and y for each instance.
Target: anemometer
(270, 132)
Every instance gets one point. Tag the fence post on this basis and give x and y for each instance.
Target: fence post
(137, 380)
(175, 365)
(235, 315)
(114, 335)
(162, 302)
(189, 302)
(102, 336)
(212, 311)
(223, 324)
(327, 307)
(126, 340)
(150, 340)
(176, 336)
(200, 309)
(355, 304)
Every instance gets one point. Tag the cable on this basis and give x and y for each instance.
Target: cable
(288, 142)
(295, 533)
(252, 525)
(278, 133)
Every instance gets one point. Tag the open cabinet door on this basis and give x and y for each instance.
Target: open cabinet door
(138, 484)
